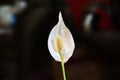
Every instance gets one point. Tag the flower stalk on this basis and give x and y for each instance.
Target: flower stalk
(63, 67)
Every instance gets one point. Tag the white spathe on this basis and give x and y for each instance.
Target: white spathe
(68, 43)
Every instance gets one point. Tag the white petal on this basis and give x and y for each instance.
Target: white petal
(68, 42)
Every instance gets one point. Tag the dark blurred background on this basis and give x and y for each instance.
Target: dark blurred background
(24, 30)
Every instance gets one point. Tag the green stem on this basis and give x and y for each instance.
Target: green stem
(62, 64)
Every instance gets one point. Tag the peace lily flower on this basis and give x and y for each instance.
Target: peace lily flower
(60, 31)
(60, 43)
